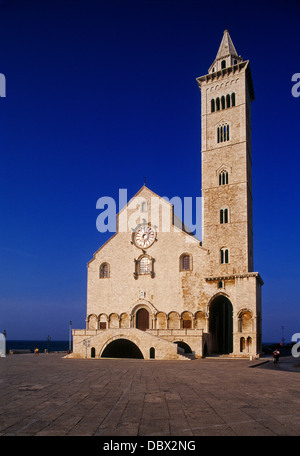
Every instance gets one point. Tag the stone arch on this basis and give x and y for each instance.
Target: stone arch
(186, 320)
(184, 345)
(200, 320)
(221, 324)
(124, 320)
(114, 320)
(143, 304)
(173, 320)
(242, 344)
(245, 318)
(249, 344)
(92, 321)
(122, 348)
(121, 337)
(161, 320)
(102, 321)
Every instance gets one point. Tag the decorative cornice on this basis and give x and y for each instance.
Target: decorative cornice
(235, 276)
(221, 73)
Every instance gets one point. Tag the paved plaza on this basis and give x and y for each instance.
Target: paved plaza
(49, 395)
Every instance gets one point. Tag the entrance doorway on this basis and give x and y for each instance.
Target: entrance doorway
(221, 325)
(142, 319)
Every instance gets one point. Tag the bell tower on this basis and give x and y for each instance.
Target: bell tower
(226, 94)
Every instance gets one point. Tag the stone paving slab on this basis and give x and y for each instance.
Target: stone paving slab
(49, 395)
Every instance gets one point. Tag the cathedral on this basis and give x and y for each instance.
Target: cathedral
(155, 291)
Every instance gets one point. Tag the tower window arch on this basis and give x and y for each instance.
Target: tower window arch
(213, 105)
(228, 101)
(233, 99)
(223, 64)
(223, 102)
(224, 215)
(224, 253)
(218, 104)
(223, 132)
(104, 271)
(223, 177)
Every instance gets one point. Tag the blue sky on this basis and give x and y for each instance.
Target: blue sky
(101, 94)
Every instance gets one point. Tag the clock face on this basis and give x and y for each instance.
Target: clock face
(144, 236)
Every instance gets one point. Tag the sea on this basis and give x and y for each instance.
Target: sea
(22, 346)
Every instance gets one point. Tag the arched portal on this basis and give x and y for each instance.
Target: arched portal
(221, 325)
(122, 348)
(142, 319)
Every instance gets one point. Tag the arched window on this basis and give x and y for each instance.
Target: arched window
(242, 344)
(249, 344)
(223, 64)
(143, 266)
(223, 102)
(104, 271)
(223, 177)
(213, 105)
(185, 262)
(233, 99)
(223, 133)
(218, 104)
(224, 215)
(224, 256)
(245, 321)
(228, 101)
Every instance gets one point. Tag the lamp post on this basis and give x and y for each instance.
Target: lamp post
(70, 335)
(48, 342)
(86, 343)
(282, 339)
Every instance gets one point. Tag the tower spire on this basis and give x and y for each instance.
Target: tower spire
(226, 55)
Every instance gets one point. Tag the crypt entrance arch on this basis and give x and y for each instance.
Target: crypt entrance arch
(122, 348)
(221, 325)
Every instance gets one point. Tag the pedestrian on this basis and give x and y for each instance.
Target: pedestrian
(276, 354)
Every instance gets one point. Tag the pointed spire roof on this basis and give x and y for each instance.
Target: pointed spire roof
(226, 47)
(227, 55)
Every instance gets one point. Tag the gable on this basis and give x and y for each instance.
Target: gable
(146, 207)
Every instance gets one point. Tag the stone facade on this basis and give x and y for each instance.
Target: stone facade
(154, 290)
